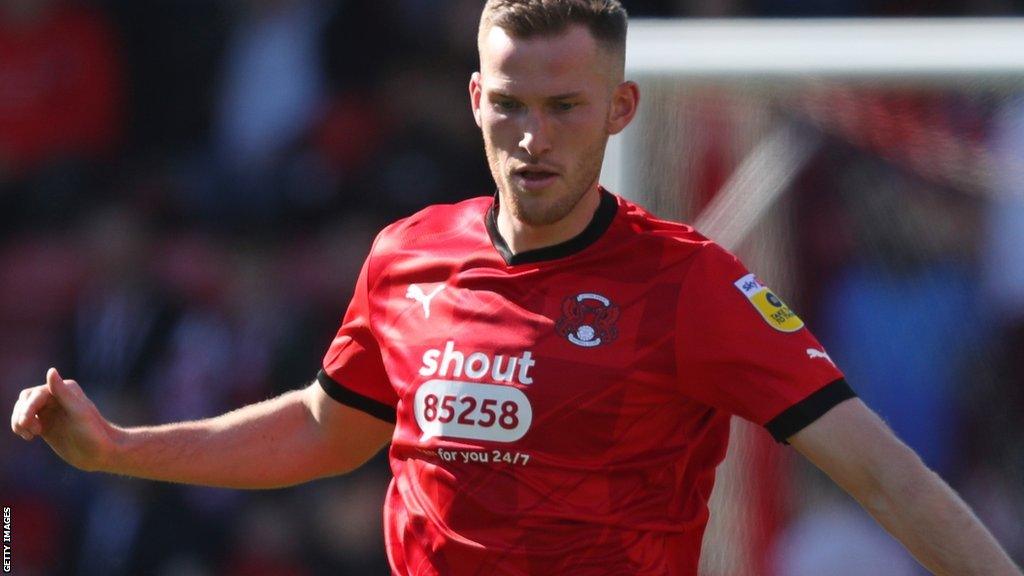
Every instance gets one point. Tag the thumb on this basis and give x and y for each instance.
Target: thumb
(59, 387)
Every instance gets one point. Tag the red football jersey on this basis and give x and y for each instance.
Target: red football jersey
(562, 410)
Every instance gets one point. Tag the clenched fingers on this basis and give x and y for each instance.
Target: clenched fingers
(24, 421)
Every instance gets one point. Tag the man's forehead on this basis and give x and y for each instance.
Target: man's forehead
(556, 60)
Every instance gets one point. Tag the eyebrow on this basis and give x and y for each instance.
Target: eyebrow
(566, 96)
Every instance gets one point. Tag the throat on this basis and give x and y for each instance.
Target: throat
(523, 234)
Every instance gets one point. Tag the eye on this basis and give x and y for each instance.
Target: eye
(563, 106)
(506, 105)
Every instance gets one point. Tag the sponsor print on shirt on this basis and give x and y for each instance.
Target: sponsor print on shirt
(473, 398)
(772, 309)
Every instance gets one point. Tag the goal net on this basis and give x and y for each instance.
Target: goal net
(803, 144)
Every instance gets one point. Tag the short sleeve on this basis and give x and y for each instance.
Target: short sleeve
(353, 371)
(743, 350)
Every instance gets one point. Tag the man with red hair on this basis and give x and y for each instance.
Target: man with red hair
(554, 368)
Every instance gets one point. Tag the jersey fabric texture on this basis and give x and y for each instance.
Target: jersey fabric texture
(563, 410)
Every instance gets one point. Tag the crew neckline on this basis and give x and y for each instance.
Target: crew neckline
(602, 220)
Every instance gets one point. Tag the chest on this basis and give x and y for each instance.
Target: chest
(496, 354)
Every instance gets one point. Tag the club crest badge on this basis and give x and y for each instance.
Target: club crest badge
(772, 309)
(588, 320)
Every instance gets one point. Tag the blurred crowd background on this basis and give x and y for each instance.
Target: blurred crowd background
(188, 189)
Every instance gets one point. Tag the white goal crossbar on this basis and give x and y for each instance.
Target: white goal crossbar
(922, 48)
(942, 51)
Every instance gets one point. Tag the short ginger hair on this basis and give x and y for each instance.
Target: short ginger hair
(606, 20)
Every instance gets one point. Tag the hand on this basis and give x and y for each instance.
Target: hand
(67, 420)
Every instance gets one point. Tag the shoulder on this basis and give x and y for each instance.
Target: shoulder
(678, 243)
(430, 222)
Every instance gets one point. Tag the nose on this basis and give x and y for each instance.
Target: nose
(536, 138)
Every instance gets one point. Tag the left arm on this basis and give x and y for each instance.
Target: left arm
(857, 450)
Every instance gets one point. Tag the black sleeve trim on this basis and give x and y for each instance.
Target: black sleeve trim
(798, 416)
(358, 401)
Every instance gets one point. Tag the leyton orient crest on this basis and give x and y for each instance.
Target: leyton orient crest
(588, 320)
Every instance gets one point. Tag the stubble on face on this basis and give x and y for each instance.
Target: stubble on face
(538, 209)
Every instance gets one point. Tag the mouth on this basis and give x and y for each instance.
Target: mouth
(534, 177)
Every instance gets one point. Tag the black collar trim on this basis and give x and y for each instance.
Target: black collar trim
(602, 219)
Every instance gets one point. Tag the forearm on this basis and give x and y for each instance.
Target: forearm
(935, 525)
(270, 444)
(853, 446)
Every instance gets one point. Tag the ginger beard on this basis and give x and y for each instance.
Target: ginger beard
(547, 206)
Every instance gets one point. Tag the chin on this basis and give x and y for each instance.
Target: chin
(537, 218)
(534, 209)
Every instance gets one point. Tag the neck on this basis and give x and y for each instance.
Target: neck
(523, 237)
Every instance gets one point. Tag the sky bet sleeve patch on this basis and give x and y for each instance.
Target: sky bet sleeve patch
(772, 309)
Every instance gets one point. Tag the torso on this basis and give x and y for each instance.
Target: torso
(539, 422)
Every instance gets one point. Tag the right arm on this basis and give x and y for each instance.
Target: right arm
(296, 437)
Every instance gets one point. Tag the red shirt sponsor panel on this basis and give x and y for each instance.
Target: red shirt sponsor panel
(563, 410)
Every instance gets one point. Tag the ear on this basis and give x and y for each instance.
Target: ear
(474, 96)
(625, 99)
